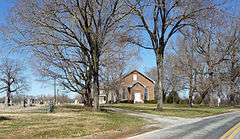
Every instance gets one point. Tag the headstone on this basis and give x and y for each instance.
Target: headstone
(219, 101)
(24, 102)
(11, 103)
(29, 102)
(76, 102)
(50, 106)
(33, 101)
(6, 101)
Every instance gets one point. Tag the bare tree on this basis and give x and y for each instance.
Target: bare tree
(69, 37)
(11, 79)
(152, 73)
(63, 98)
(115, 62)
(230, 69)
(189, 65)
(213, 50)
(174, 76)
(161, 19)
(172, 82)
(204, 52)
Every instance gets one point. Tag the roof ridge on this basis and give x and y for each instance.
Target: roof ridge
(141, 74)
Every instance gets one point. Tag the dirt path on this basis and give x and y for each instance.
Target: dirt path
(157, 121)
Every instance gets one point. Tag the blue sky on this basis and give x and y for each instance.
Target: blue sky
(37, 88)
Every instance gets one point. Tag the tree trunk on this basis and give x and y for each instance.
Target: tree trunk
(156, 91)
(24, 102)
(95, 53)
(7, 99)
(190, 100)
(87, 98)
(96, 91)
(211, 101)
(173, 97)
(159, 81)
(203, 95)
(107, 94)
(232, 94)
(117, 95)
(164, 96)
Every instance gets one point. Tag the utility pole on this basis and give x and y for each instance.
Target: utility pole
(55, 91)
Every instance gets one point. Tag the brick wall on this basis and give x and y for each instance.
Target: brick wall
(139, 87)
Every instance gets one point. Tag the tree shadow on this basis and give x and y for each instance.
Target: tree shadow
(3, 118)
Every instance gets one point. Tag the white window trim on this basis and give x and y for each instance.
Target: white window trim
(135, 77)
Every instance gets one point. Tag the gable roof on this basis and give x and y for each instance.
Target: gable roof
(145, 76)
(132, 85)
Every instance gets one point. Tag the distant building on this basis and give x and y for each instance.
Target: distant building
(134, 87)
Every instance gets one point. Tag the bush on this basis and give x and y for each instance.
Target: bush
(183, 101)
(173, 97)
(126, 101)
(123, 101)
(150, 101)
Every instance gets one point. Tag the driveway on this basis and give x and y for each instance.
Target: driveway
(156, 121)
(206, 128)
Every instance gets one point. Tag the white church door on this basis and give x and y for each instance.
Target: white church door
(137, 97)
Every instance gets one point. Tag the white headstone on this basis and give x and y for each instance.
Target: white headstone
(219, 101)
(29, 102)
(76, 102)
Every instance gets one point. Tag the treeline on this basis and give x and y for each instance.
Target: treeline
(205, 66)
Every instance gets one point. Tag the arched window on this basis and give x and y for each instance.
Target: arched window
(134, 77)
(124, 93)
(145, 94)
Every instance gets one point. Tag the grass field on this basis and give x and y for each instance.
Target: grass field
(67, 122)
(175, 110)
(73, 121)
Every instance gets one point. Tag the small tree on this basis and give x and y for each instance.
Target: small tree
(11, 79)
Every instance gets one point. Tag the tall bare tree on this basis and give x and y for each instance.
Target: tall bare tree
(11, 79)
(230, 69)
(62, 33)
(172, 82)
(161, 19)
(206, 50)
(189, 66)
(116, 61)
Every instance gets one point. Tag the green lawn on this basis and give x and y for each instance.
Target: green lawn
(175, 110)
(68, 122)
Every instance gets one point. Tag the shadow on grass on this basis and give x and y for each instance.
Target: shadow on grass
(72, 108)
(3, 118)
